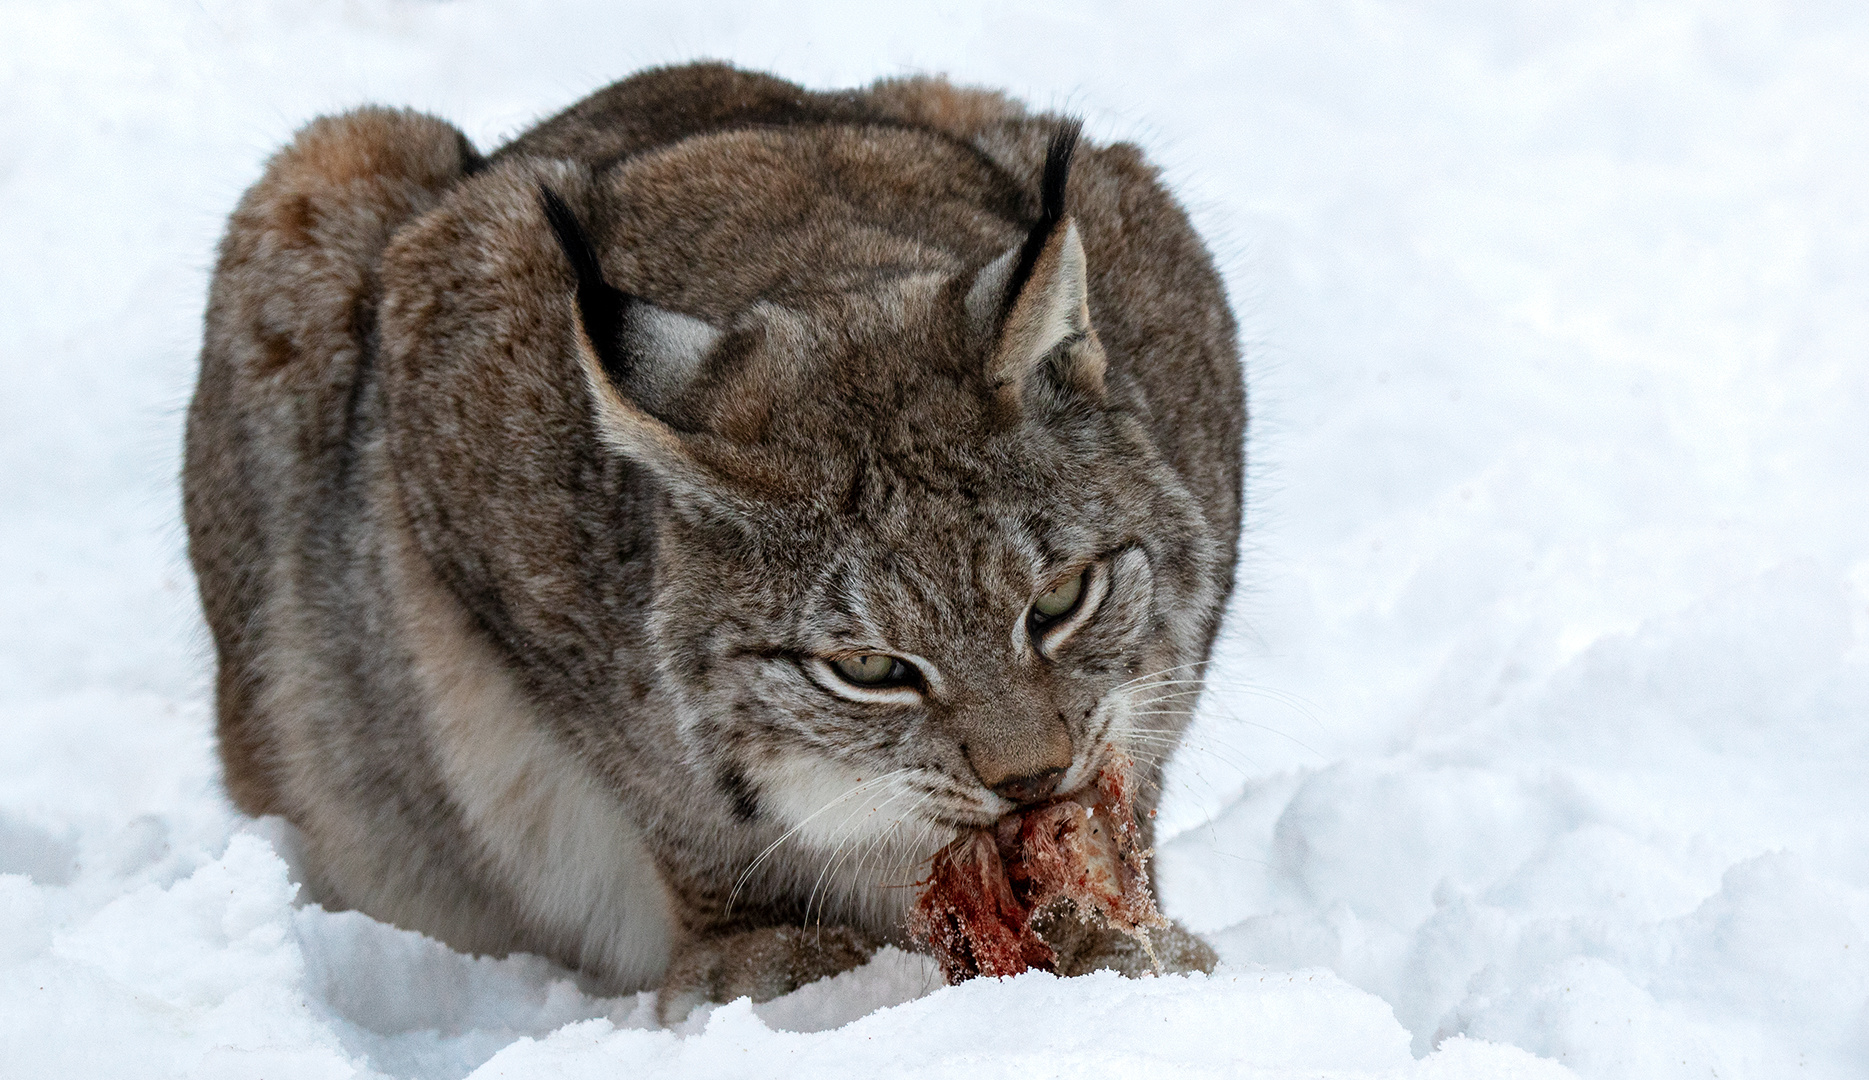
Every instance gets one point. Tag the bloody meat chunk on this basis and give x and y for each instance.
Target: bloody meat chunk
(975, 912)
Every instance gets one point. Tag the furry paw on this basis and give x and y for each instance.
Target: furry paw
(761, 964)
(1082, 949)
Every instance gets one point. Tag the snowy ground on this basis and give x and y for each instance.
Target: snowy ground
(1541, 728)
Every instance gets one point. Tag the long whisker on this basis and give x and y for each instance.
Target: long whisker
(1160, 747)
(1156, 744)
(1213, 680)
(924, 833)
(1200, 674)
(1183, 698)
(1232, 717)
(928, 833)
(1297, 703)
(760, 859)
(878, 843)
(1158, 674)
(1194, 687)
(1192, 737)
(851, 825)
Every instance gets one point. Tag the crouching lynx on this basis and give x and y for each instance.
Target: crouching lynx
(661, 535)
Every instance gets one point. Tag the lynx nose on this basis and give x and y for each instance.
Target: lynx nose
(1030, 789)
(1021, 758)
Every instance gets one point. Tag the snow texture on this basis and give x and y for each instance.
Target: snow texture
(1536, 743)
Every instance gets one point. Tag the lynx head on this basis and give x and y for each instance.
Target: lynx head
(917, 543)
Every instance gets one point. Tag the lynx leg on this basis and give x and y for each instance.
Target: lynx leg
(1083, 949)
(761, 964)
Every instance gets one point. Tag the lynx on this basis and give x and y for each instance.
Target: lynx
(647, 544)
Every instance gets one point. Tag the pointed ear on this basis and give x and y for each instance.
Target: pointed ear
(1047, 334)
(633, 353)
(649, 353)
(1038, 295)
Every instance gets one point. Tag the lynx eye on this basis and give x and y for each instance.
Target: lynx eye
(874, 669)
(1059, 600)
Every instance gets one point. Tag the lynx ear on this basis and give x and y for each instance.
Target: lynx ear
(635, 357)
(651, 354)
(1036, 298)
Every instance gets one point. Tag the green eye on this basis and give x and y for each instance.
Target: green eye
(1058, 600)
(876, 669)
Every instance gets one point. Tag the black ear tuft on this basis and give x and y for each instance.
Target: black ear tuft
(1051, 204)
(602, 306)
(1058, 168)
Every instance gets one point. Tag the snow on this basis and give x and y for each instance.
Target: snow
(1537, 738)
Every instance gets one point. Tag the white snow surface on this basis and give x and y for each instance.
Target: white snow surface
(1536, 743)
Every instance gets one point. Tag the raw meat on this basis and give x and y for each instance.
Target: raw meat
(976, 910)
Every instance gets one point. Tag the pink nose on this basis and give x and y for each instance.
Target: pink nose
(1030, 789)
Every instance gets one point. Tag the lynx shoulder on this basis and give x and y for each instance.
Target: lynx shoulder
(669, 530)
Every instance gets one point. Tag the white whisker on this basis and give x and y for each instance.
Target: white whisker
(851, 826)
(1157, 674)
(760, 859)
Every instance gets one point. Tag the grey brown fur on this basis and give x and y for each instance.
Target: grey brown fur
(537, 661)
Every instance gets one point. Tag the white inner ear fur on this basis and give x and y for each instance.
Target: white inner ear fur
(1052, 309)
(669, 348)
(988, 292)
(628, 429)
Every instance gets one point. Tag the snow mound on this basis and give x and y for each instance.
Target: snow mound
(1254, 1025)
(224, 976)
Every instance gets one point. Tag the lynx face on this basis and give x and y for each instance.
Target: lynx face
(895, 606)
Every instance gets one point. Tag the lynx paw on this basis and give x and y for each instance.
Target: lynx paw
(761, 964)
(1082, 949)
